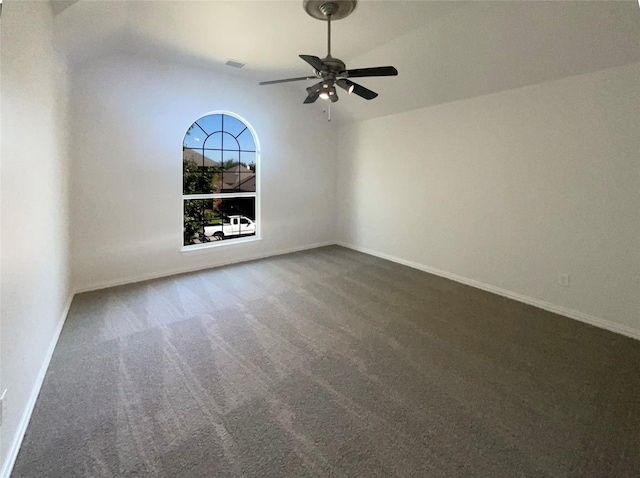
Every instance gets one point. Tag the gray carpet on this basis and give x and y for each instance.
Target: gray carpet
(330, 362)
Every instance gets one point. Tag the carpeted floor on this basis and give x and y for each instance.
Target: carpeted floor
(330, 362)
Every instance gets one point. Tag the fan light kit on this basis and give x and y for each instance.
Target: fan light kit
(332, 71)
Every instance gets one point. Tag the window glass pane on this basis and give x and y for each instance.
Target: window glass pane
(229, 142)
(238, 179)
(233, 126)
(214, 141)
(193, 218)
(249, 161)
(246, 141)
(231, 159)
(194, 233)
(200, 175)
(214, 180)
(236, 207)
(190, 176)
(230, 218)
(198, 213)
(192, 155)
(207, 220)
(194, 138)
(211, 158)
(237, 176)
(211, 123)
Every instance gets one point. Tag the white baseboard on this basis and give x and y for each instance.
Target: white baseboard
(172, 272)
(26, 416)
(556, 309)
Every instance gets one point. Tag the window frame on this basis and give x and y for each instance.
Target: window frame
(226, 195)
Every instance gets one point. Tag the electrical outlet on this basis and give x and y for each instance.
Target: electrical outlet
(564, 280)
(3, 406)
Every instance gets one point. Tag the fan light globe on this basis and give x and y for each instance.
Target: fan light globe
(327, 90)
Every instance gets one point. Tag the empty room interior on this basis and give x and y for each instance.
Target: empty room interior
(320, 238)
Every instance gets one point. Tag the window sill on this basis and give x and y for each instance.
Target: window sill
(202, 248)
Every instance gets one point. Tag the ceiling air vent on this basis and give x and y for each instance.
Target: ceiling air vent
(234, 63)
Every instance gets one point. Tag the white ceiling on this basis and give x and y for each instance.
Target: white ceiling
(444, 50)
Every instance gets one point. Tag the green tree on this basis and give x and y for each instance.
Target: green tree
(197, 212)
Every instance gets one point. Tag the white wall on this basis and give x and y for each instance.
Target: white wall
(128, 118)
(34, 209)
(508, 191)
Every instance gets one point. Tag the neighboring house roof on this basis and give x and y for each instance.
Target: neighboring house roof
(238, 178)
(198, 158)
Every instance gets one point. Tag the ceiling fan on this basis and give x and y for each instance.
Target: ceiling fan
(332, 70)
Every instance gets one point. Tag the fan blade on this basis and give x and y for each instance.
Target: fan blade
(311, 98)
(314, 92)
(359, 90)
(314, 61)
(314, 88)
(378, 71)
(273, 82)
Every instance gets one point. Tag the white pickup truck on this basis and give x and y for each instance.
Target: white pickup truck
(233, 226)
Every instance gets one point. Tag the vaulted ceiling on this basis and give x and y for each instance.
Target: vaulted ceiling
(444, 51)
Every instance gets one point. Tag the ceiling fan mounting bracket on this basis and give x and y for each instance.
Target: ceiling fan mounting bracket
(322, 9)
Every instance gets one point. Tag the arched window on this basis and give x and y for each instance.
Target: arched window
(220, 180)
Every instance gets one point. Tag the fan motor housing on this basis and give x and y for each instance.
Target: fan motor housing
(335, 65)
